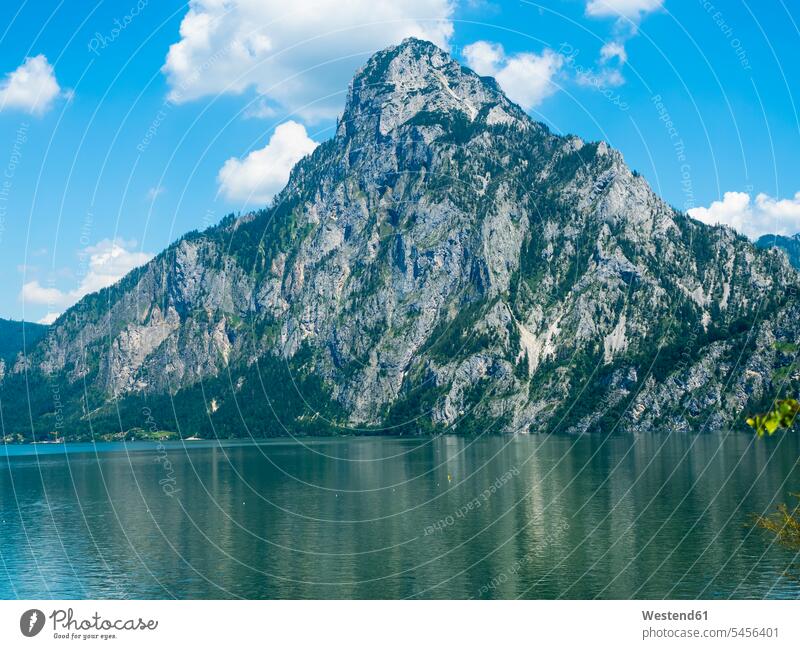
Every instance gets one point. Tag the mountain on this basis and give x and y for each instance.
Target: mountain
(16, 336)
(444, 263)
(790, 245)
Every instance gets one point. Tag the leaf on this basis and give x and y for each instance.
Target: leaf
(782, 415)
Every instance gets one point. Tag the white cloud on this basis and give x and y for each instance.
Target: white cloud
(294, 54)
(105, 264)
(260, 109)
(484, 57)
(34, 293)
(632, 9)
(49, 318)
(628, 14)
(526, 78)
(613, 50)
(766, 215)
(32, 87)
(264, 172)
(604, 78)
(108, 262)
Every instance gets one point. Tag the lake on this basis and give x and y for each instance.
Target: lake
(653, 516)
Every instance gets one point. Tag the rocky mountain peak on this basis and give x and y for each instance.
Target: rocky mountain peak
(418, 83)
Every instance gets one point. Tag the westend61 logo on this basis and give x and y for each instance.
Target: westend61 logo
(66, 625)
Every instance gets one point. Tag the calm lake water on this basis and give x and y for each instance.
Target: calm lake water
(450, 517)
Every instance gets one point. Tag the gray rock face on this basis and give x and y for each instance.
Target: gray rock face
(445, 262)
(790, 245)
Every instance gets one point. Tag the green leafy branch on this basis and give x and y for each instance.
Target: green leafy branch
(782, 415)
(784, 524)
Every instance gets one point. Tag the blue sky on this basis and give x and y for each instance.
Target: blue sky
(125, 124)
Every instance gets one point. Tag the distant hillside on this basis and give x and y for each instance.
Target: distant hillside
(791, 245)
(11, 337)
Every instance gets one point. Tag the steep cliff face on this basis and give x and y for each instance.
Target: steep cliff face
(443, 263)
(790, 245)
(17, 337)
